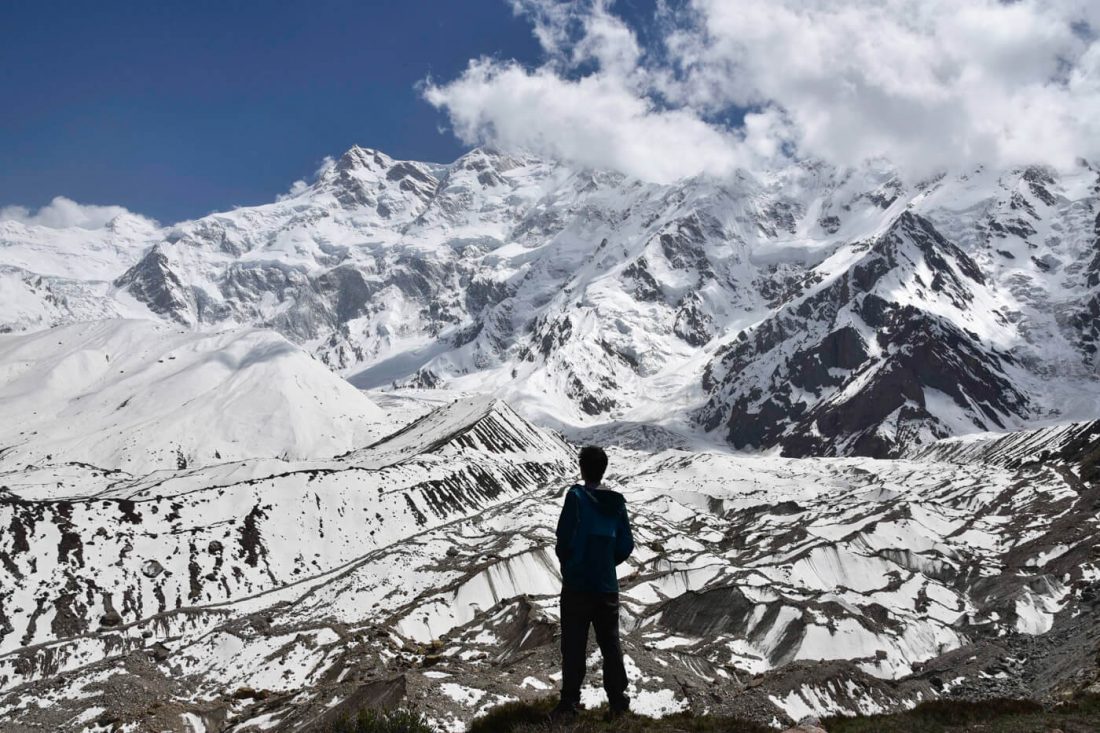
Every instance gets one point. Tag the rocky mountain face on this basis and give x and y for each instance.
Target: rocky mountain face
(889, 365)
(809, 310)
(419, 570)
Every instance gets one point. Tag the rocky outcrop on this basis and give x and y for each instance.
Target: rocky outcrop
(846, 369)
(154, 282)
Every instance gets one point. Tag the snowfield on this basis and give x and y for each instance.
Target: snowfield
(138, 396)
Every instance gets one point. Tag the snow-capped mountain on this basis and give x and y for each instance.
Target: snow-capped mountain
(811, 310)
(50, 276)
(207, 527)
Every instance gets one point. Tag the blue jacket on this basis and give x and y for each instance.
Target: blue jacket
(593, 537)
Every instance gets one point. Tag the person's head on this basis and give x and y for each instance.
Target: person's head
(593, 463)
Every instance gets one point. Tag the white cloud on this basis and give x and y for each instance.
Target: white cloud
(63, 212)
(296, 189)
(928, 85)
(596, 121)
(607, 40)
(301, 185)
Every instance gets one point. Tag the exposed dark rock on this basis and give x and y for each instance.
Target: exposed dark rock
(250, 540)
(829, 224)
(153, 281)
(552, 335)
(781, 216)
(70, 549)
(916, 351)
(349, 291)
(159, 652)
(151, 568)
(813, 368)
(1038, 181)
(692, 323)
(1014, 226)
(644, 286)
(682, 244)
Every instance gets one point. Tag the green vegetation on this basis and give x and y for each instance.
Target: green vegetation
(522, 717)
(1081, 715)
(382, 721)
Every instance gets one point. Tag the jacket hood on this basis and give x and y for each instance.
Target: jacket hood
(608, 502)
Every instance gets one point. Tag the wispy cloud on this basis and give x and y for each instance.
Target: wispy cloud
(63, 212)
(929, 85)
(302, 185)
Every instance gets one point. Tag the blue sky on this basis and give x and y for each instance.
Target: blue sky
(175, 109)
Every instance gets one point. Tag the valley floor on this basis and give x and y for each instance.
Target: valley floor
(418, 571)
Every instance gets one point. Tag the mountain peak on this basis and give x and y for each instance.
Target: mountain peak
(488, 158)
(366, 178)
(360, 158)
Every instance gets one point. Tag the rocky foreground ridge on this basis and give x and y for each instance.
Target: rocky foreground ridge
(279, 595)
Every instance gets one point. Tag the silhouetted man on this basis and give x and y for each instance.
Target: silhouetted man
(593, 537)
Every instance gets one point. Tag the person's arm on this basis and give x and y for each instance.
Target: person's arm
(624, 540)
(567, 526)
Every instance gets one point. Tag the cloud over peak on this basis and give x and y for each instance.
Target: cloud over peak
(62, 213)
(929, 85)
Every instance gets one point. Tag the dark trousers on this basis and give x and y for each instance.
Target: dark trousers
(601, 610)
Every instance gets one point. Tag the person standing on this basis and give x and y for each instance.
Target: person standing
(593, 537)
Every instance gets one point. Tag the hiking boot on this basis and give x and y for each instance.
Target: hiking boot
(617, 710)
(564, 712)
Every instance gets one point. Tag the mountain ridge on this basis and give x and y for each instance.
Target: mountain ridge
(589, 299)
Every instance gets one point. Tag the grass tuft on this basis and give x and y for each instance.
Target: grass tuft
(381, 721)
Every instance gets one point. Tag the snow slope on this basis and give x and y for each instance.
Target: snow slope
(141, 395)
(420, 570)
(1012, 449)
